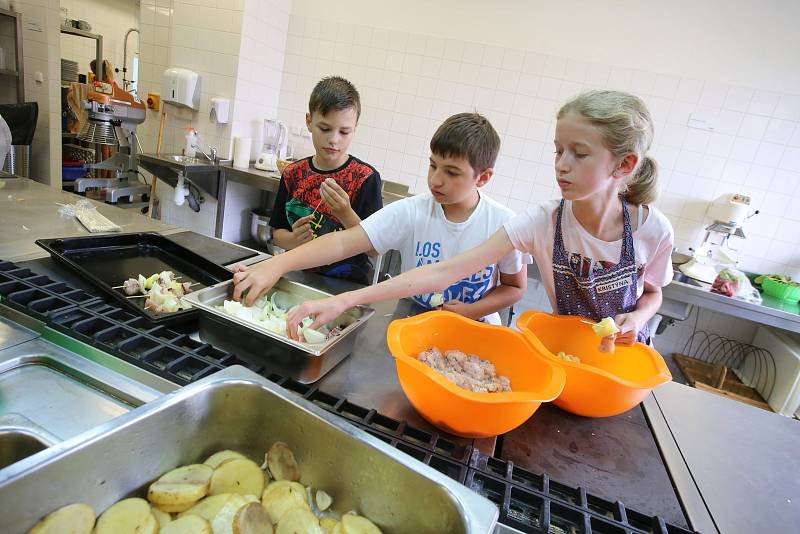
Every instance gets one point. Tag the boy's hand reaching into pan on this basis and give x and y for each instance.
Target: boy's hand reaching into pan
(250, 283)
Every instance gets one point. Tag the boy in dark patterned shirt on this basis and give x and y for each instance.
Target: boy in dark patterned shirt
(331, 190)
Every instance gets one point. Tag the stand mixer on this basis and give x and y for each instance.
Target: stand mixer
(729, 213)
(276, 137)
(113, 116)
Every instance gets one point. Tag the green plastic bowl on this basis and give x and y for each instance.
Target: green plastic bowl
(781, 291)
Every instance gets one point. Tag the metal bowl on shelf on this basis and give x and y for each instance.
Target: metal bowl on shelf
(260, 230)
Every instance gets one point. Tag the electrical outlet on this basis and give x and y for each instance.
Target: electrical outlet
(701, 122)
(153, 101)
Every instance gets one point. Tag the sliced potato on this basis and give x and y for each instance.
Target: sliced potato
(337, 529)
(180, 487)
(162, 517)
(188, 524)
(252, 518)
(127, 516)
(283, 484)
(188, 474)
(323, 500)
(75, 518)
(329, 524)
(282, 496)
(281, 462)
(171, 497)
(217, 458)
(175, 508)
(237, 475)
(298, 521)
(223, 521)
(356, 524)
(208, 507)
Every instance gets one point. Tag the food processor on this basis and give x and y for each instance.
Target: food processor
(714, 253)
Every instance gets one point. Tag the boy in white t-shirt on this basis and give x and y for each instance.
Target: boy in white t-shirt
(451, 218)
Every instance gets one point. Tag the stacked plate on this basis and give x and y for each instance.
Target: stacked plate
(69, 70)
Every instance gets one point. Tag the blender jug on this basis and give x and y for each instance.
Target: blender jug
(275, 138)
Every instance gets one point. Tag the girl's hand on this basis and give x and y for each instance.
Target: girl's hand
(629, 325)
(322, 311)
(336, 199)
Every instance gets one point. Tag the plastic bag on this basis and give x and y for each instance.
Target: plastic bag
(735, 284)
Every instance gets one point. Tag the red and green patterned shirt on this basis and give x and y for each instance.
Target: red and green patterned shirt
(299, 194)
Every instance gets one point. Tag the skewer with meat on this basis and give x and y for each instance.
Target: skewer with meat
(131, 287)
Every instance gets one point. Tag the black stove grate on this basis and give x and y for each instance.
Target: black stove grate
(528, 502)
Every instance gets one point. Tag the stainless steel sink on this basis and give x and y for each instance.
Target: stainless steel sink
(187, 160)
(16, 445)
(201, 172)
(49, 394)
(682, 278)
(20, 437)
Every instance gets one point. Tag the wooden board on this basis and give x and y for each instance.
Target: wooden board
(715, 378)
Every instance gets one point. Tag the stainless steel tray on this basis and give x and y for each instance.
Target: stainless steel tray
(304, 362)
(237, 409)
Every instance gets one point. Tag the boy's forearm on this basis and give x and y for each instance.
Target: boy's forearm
(350, 219)
(434, 277)
(495, 300)
(283, 238)
(324, 250)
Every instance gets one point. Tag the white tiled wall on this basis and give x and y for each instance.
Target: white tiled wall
(258, 81)
(41, 54)
(237, 48)
(111, 19)
(410, 82)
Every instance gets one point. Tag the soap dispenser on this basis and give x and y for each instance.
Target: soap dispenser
(190, 149)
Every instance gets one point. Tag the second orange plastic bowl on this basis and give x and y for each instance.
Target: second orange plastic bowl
(602, 384)
(534, 378)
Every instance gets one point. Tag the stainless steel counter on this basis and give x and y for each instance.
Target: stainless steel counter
(734, 465)
(29, 211)
(771, 312)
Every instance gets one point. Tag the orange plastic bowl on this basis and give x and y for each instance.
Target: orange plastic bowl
(534, 377)
(602, 384)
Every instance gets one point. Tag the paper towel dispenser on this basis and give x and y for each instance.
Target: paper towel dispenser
(181, 87)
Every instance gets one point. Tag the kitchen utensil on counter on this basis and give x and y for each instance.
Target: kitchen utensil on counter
(715, 253)
(237, 409)
(601, 385)
(106, 261)
(783, 290)
(256, 344)
(275, 136)
(534, 377)
(113, 116)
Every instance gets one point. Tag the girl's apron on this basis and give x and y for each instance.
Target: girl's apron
(606, 292)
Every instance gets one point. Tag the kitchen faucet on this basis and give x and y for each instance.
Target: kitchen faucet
(212, 158)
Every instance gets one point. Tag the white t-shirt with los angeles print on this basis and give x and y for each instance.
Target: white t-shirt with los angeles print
(532, 232)
(418, 228)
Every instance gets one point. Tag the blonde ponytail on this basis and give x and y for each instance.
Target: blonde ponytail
(625, 124)
(642, 188)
